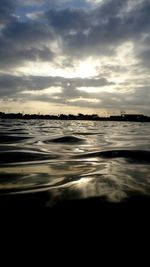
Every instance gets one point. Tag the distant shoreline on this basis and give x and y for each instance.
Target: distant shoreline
(93, 117)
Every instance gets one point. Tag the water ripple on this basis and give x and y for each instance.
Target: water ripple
(8, 156)
(65, 139)
(111, 160)
(8, 139)
(141, 155)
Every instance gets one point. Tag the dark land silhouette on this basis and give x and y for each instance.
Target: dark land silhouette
(80, 116)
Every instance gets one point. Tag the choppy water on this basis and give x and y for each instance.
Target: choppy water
(75, 159)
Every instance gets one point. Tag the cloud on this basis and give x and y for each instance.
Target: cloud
(79, 33)
(14, 84)
(22, 42)
(67, 20)
(58, 37)
(57, 4)
(100, 30)
(27, 33)
(60, 90)
(7, 10)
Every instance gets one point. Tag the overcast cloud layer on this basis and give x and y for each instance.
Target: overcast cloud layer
(78, 55)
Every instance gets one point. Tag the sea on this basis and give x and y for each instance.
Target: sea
(46, 162)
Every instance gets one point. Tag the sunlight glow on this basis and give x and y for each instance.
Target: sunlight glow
(47, 91)
(81, 69)
(109, 89)
(86, 69)
(92, 100)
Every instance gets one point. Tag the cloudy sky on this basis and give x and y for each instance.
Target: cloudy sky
(71, 56)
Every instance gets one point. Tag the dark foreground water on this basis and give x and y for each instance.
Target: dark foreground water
(46, 162)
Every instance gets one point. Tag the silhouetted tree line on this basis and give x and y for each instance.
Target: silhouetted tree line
(80, 116)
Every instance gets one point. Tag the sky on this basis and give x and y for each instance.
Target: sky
(75, 56)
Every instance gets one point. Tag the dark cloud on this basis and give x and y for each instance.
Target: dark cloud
(16, 84)
(68, 20)
(27, 33)
(57, 4)
(110, 8)
(20, 56)
(142, 53)
(24, 41)
(104, 100)
(82, 82)
(145, 56)
(100, 30)
(7, 10)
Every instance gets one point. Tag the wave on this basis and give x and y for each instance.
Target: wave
(142, 155)
(65, 139)
(8, 139)
(88, 133)
(23, 156)
(74, 160)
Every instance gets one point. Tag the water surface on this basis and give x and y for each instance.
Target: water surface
(74, 159)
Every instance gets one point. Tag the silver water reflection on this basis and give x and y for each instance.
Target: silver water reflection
(75, 159)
